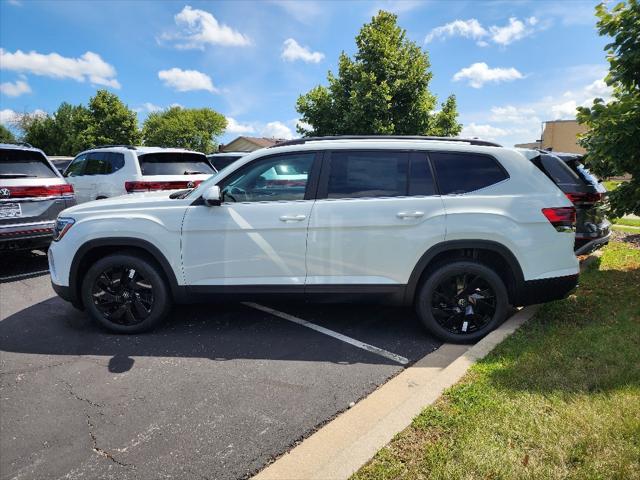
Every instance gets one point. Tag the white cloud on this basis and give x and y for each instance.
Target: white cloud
(89, 66)
(479, 73)
(463, 28)
(515, 30)
(15, 89)
(10, 117)
(233, 126)
(487, 132)
(511, 114)
(292, 51)
(564, 110)
(598, 88)
(151, 107)
(199, 28)
(473, 29)
(396, 6)
(276, 130)
(186, 80)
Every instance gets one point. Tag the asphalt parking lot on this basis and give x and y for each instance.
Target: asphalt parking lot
(218, 392)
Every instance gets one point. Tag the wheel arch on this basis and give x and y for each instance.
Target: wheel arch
(97, 248)
(491, 253)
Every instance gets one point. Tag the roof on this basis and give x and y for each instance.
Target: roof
(138, 149)
(259, 142)
(19, 146)
(226, 154)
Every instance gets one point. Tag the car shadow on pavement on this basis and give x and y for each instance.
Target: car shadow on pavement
(219, 332)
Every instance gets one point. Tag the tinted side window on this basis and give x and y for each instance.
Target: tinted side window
(278, 178)
(558, 171)
(368, 174)
(76, 167)
(420, 177)
(465, 172)
(96, 164)
(116, 161)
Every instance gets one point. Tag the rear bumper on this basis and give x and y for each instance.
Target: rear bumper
(586, 246)
(546, 289)
(26, 235)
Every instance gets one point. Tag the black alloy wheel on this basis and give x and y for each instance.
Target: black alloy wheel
(463, 303)
(126, 292)
(123, 295)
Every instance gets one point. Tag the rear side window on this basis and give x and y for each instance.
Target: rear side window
(465, 172)
(24, 164)
(420, 177)
(174, 163)
(368, 174)
(103, 163)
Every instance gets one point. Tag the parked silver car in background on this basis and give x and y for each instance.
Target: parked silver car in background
(32, 193)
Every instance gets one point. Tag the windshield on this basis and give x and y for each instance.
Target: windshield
(24, 164)
(174, 163)
(223, 161)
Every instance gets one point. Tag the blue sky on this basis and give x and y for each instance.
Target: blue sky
(511, 64)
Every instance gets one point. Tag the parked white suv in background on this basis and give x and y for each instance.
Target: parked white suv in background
(460, 229)
(114, 170)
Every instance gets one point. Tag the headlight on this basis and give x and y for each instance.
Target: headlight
(62, 227)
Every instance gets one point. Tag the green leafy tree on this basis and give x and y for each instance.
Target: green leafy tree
(613, 138)
(383, 89)
(192, 128)
(6, 136)
(110, 122)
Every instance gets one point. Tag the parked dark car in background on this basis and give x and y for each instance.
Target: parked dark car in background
(32, 193)
(224, 159)
(585, 191)
(61, 163)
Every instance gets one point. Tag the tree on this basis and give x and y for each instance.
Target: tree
(192, 128)
(384, 89)
(57, 134)
(613, 139)
(110, 122)
(5, 135)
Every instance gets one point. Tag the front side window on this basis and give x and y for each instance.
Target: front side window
(280, 178)
(76, 167)
(356, 174)
(459, 172)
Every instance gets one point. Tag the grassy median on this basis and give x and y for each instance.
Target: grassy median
(558, 399)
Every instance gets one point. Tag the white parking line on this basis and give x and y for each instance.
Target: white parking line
(23, 275)
(352, 341)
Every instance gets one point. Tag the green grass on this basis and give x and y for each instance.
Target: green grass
(558, 399)
(612, 184)
(631, 222)
(624, 228)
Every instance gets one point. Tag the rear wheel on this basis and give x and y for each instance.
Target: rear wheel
(462, 301)
(126, 294)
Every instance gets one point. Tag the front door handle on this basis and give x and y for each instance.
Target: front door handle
(416, 214)
(292, 218)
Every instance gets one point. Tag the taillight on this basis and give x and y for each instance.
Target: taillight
(133, 187)
(562, 218)
(39, 191)
(580, 198)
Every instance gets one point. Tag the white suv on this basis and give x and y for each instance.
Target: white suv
(114, 170)
(460, 229)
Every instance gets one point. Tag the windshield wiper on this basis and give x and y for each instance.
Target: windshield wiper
(15, 175)
(181, 193)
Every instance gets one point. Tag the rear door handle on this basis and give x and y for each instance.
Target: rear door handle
(292, 218)
(416, 214)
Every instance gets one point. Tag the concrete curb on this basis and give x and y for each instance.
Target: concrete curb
(341, 447)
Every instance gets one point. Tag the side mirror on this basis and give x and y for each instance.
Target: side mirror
(212, 196)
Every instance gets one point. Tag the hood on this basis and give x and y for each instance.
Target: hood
(133, 201)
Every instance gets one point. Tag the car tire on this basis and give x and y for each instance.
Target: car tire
(462, 313)
(126, 293)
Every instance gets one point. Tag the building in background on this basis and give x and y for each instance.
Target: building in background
(249, 144)
(559, 136)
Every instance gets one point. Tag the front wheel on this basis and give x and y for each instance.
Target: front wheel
(462, 301)
(126, 293)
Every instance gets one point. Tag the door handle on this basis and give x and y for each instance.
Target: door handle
(415, 214)
(292, 218)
